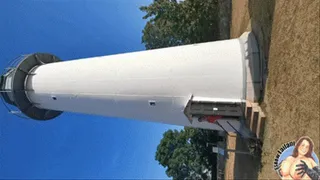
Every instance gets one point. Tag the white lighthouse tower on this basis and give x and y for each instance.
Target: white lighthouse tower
(176, 85)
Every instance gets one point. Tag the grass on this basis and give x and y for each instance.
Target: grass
(288, 36)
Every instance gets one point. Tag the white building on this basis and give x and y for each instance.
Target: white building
(171, 85)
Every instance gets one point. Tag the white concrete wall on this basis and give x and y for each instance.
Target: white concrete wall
(121, 85)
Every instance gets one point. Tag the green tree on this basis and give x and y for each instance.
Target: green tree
(185, 154)
(171, 23)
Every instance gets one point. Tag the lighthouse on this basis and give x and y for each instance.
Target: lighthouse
(175, 85)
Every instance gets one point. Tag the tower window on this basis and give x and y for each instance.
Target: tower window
(152, 103)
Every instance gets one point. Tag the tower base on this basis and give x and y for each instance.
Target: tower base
(252, 65)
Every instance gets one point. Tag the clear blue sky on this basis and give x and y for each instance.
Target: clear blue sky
(75, 145)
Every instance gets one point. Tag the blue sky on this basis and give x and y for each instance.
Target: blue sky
(75, 145)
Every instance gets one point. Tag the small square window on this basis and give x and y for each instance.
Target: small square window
(152, 103)
(54, 97)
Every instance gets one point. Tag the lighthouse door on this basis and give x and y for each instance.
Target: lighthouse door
(199, 106)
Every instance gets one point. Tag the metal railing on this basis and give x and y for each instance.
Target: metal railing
(12, 64)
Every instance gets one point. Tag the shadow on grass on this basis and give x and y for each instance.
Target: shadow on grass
(246, 166)
(261, 15)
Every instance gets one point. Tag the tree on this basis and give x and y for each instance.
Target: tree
(172, 23)
(185, 154)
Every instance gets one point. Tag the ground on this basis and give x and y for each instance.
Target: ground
(288, 35)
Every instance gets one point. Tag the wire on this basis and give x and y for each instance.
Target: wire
(10, 110)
